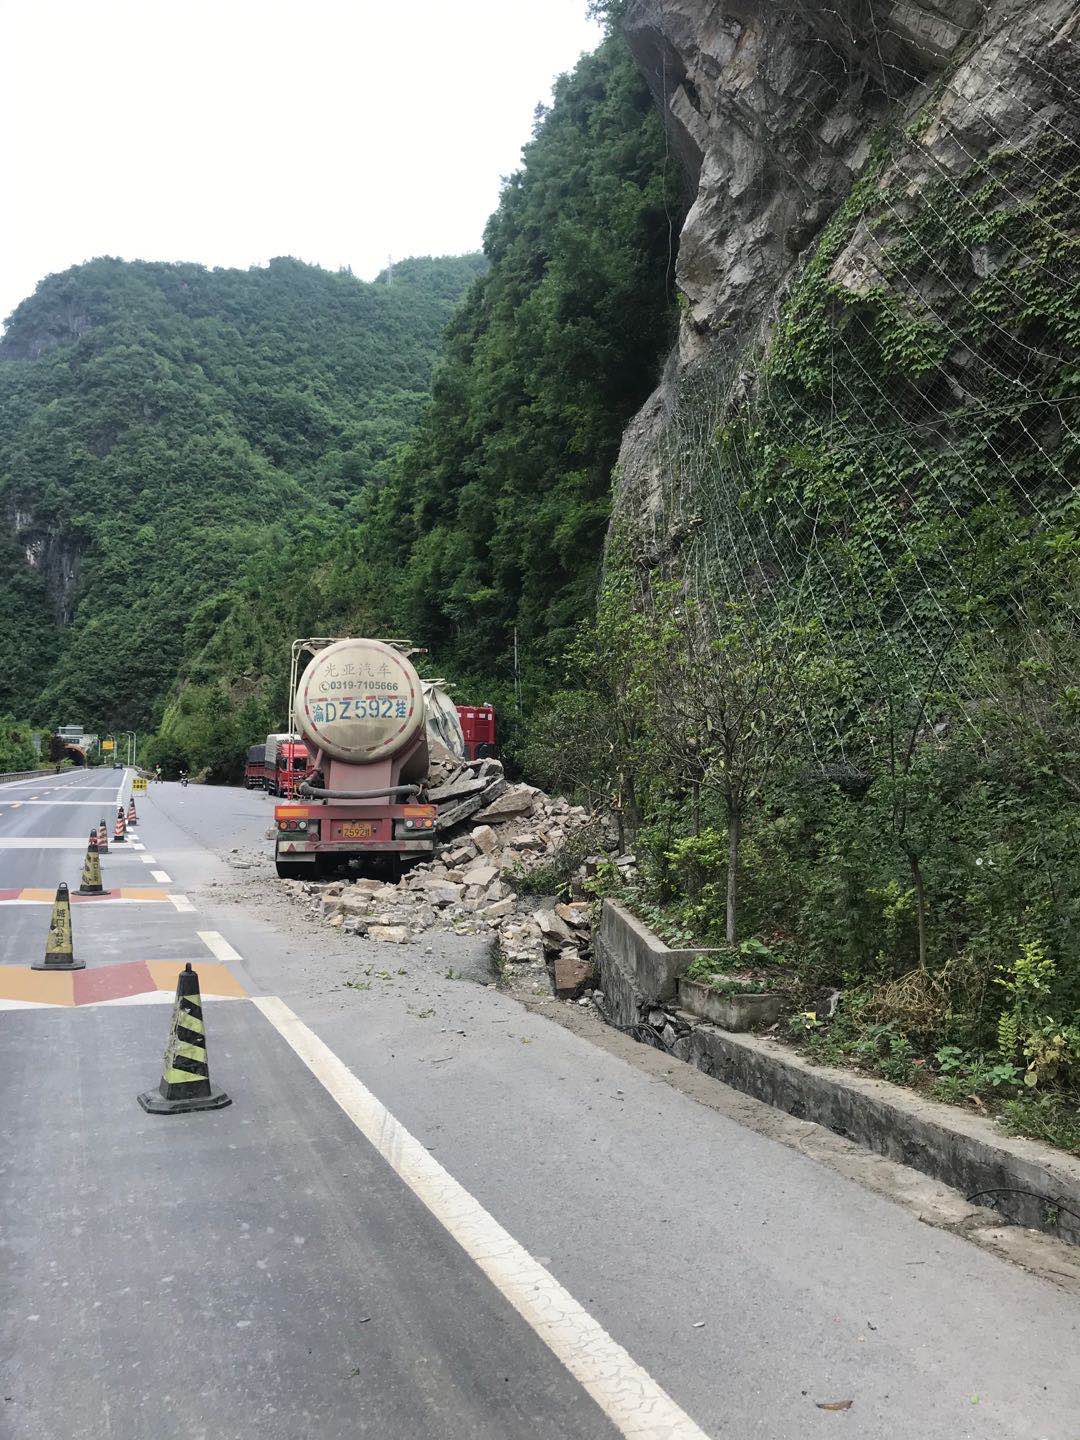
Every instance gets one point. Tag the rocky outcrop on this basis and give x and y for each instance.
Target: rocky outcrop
(50, 552)
(777, 110)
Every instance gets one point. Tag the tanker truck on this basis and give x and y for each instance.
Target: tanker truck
(361, 708)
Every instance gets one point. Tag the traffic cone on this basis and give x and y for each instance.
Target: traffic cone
(58, 952)
(91, 870)
(102, 838)
(185, 1073)
(120, 828)
(132, 818)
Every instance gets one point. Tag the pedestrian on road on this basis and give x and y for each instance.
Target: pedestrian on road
(157, 774)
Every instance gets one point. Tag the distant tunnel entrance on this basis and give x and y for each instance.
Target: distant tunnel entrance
(76, 755)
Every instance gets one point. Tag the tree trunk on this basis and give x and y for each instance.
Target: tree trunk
(920, 906)
(734, 836)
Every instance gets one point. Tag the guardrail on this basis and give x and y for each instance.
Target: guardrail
(8, 775)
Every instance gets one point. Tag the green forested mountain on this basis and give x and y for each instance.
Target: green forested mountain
(162, 424)
(196, 466)
(494, 516)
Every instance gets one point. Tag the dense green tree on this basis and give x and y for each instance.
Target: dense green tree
(161, 426)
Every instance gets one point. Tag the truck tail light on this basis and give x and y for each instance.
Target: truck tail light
(420, 817)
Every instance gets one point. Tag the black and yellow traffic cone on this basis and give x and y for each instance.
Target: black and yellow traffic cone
(185, 1074)
(102, 838)
(132, 818)
(120, 828)
(59, 954)
(91, 870)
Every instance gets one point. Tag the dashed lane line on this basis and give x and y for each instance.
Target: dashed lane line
(218, 946)
(182, 903)
(161, 877)
(148, 859)
(627, 1394)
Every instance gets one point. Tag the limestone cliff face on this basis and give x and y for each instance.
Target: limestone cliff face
(50, 553)
(776, 110)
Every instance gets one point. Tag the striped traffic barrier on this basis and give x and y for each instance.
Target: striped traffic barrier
(102, 838)
(59, 951)
(91, 870)
(120, 827)
(185, 1072)
(132, 818)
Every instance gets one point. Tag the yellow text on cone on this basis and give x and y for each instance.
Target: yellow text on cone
(91, 873)
(59, 950)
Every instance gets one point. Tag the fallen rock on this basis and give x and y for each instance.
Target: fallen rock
(576, 915)
(480, 874)
(518, 800)
(572, 973)
(552, 928)
(498, 909)
(483, 837)
(442, 893)
(355, 904)
(390, 934)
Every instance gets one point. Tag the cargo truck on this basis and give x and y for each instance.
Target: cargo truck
(287, 760)
(361, 708)
(254, 775)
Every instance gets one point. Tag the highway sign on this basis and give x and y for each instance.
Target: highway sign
(138, 783)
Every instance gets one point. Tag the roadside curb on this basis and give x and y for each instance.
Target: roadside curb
(964, 1151)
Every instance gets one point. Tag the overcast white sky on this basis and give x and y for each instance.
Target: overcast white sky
(230, 131)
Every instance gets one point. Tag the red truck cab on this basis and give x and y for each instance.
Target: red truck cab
(478, 728)
(293, 763)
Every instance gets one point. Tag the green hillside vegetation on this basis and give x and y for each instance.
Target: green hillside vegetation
(495, 514)
(161, 425)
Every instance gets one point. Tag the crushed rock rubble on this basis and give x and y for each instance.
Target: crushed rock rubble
(505, 832)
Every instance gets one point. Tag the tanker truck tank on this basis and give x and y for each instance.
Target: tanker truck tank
(361, 702)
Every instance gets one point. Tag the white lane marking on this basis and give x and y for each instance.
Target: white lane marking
(161, 877)
(183, 904)
(144, 997)
(135, 846)
(98, 900)
(35, 801)
(148, 859)
(626, 1393)
(218, 946)
(41, 842)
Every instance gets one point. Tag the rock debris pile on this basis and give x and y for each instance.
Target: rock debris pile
(491, 836)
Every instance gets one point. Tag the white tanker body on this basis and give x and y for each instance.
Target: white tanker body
(359, 704)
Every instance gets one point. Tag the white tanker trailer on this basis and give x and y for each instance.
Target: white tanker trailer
(360, 706)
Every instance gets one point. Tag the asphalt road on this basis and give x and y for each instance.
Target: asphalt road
(427, 1212)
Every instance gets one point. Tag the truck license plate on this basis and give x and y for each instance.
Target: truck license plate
(357, 830)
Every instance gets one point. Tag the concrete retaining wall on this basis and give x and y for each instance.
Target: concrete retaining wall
(637, 974)
(9, 775)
